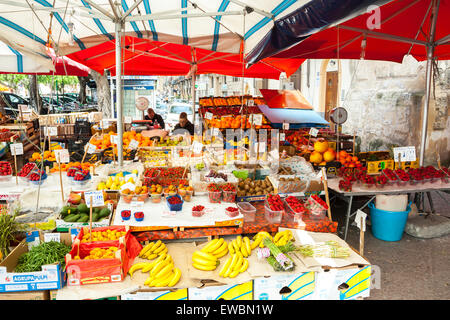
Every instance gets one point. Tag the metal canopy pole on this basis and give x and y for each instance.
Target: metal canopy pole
(119, 93)
(429, 74)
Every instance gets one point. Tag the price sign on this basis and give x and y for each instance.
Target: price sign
(313, 132)
(282, 136)
(91, 148)
(251, 103)
(208, 115)
(50, 131)
(406, 154)
(133, 144)
(105, 123)
(62, 155)
(215, 131)
(197, 147)
(257, 119)
(361, 215)
(128, 120)
(97, 198)
(16, 149)
(52, 237)
(285, 126)
(114, 139)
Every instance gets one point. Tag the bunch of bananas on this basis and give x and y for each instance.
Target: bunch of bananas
(153, 250)
(204, 261)
(258, 239)
(162, 272)
(283, 237)
(216, 247)
(240, 245)
(234, 265)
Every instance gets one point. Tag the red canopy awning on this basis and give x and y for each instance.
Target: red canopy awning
(404, 28)
(65, 66)
(147, 57)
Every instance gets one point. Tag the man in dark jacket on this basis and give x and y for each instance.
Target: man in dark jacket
(156, 118)
(184, 123)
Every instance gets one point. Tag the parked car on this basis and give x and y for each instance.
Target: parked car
(9, 103)
(173, 113)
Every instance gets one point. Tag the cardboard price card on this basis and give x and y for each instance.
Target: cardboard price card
(16, 149)
(257, 119)
(97, 198)
(62, 155)
(114, 139)
(406, 154)
(52, 237)
(208, 115)
(133, 144)
(314, 132)
(285, 125)
(91, 148)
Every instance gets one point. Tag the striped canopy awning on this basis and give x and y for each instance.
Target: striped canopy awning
(73, 25)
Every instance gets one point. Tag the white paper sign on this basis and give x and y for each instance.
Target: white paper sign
(52, 237)
(313, 132)
(134, 144)
(406, 154)
(50, 131)
(128, 120)
(285, 126)
(91, 148)
(361, 214)
(16, 149)
(105, 123)
(251, 103)
(257, 119)
(114, 139)
(282, 136)
(62, 155)
(97, 198)
(208, 115)
(197, 147)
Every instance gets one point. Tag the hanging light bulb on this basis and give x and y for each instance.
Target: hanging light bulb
(70, 26)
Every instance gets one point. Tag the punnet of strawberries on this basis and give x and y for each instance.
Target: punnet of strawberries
(174, 200)
(82, 175)
(381, 180)
(402, 175)
(26, 169)
(198, 211)
(274, 202)
(5, 168)
(37, 175)
(390, 174)
(139, 215)
(232, 211)
(295, 204)
(73, 170)
(345, 185)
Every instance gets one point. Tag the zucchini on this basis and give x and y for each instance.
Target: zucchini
(72, 217)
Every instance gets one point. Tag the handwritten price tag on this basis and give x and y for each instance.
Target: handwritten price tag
(313, 132)
(52, 237)
(208, 115)
(16, 149)
(91, 148)
(114, 139)
(285, 126)
(406, 154)
(257, 119)
(62, 155)
(282, 137)
(133, 144)
(97, 198)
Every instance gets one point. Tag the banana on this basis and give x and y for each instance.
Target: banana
(204, 262)
(231, 248)
(232, 264)
(175, 278)
(164, 271)
(216, 246)
(235, 245)
(278, 236)
(168, 257)
(157, 245)
(164, 282)
(244, 251)
(203, 267)
(238, 264)
(221, 254)
(220, 249)
(256, 243)
(239, 241)
(151, 256)
(146, 248)
(209, 245)
(247, 245)
(225, 266)
(158, 267)
(148, 280)
(244, 266)
(234, 273)
(161, 258)
(148, 267)
(204, 255)
(160, 248)
(165, 250)
(136, 266)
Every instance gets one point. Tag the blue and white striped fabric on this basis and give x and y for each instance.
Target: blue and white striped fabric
(15, 61)
(161, 20)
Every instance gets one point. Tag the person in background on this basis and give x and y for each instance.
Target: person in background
(156, 118)
(184, 123)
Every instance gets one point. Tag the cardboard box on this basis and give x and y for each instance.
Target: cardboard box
(285, 287)
(181, 294)
(408, 164)
(343, 284)
(51, 276)
(375, 167)
(242, 291)
(32, 295)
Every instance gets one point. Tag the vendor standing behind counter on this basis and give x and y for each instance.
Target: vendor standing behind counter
(184, 123)
(156, 118)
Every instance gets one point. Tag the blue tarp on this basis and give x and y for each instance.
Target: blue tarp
(297, 118)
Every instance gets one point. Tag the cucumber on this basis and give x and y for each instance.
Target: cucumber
(72, 217)
(83, 218)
